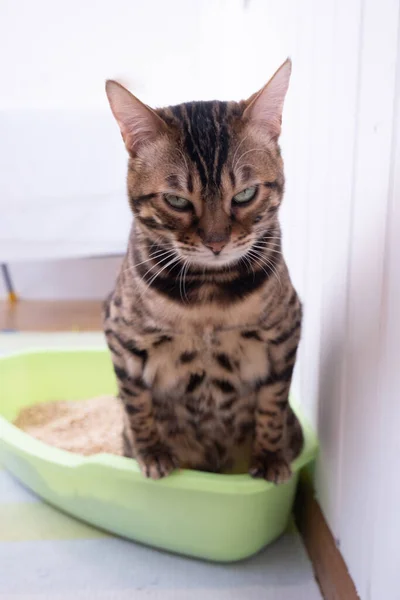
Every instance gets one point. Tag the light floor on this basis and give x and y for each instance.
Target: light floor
(46, 555)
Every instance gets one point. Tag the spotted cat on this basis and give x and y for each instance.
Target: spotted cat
(203, 324)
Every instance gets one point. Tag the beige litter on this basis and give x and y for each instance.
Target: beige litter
(90, 427)
(85, 427)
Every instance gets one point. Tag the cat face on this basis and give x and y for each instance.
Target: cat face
(205, 179)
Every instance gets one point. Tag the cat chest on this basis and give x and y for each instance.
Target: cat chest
(214, 366)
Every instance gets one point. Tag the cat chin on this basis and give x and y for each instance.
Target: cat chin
(217, 262)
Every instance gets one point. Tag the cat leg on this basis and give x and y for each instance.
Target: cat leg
(154, 457)
(272, 453)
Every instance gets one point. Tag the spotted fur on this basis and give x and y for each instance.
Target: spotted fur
(203, 323)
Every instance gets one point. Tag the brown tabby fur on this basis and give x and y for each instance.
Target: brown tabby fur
(203, 349)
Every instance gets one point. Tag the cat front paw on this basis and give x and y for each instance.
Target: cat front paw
(156, 462)
(271, 466)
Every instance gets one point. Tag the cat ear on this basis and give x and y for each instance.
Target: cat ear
(265, 107)
(139, 124)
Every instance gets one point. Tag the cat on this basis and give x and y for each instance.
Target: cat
(203, 324)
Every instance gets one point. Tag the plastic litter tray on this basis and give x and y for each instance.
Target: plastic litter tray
(211, 516)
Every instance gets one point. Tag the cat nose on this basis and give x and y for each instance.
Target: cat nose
(216, 247)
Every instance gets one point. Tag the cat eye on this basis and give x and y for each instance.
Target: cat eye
(177, 202)
(246, 195)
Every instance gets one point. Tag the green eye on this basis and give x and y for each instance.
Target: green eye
(245, 196)
(177, 202)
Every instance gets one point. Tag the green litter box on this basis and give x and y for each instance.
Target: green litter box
(210, 516)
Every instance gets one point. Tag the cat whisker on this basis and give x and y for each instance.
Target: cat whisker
(161, 257)
(238, 146)
(184, 158)
(256, 259)
(266, 238)
(269, 265)
(184, 279)
(241, 260)
(264, 248)
(274, 250)
(259, 255)
(160, 264)
(181, 280)
(248, 264)
(244, 154)
(171, 262)
(267, 243)
(151, 257)
(155, 255)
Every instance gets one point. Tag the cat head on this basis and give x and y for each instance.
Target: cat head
(205, 178)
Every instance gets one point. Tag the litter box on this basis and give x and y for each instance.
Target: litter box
(205, 515)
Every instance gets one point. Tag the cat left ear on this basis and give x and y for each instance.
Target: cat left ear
(265, 107)
(139, 124)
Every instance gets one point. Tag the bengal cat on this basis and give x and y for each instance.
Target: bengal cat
(203, 324)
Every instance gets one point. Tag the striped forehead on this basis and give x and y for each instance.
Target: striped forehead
(206, 138)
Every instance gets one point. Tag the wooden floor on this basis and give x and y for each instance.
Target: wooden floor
(42, 315)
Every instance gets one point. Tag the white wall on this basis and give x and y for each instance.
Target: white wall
(386, 492)
(57, 55)
(349, 355)
(67, 279)
(359, 442)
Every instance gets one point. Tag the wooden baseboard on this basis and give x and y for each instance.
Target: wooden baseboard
(329, 567)
(51, 315)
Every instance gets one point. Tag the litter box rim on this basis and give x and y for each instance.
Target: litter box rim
(22, 444)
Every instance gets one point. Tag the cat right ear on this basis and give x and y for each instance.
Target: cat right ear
(264, 109)
(139, 124)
